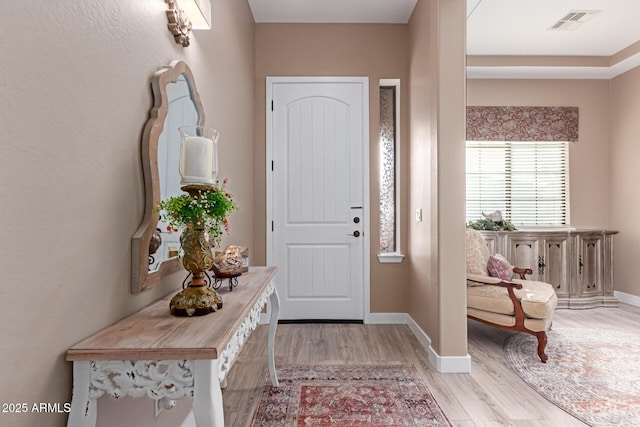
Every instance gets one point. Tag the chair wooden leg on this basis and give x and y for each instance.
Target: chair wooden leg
(542, 344)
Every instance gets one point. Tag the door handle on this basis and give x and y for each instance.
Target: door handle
(355, 234)
(541, 265)
(580, 264)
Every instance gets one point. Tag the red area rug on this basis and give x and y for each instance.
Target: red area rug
(593, 375)
(354, 396)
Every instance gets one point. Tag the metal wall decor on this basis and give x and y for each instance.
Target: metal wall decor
(179, 23)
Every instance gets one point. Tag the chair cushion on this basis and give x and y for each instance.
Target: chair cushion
(477, 253)
(535, 325)
(499, 267)
(538, 299)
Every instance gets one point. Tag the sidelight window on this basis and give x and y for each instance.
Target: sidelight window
(388, 172)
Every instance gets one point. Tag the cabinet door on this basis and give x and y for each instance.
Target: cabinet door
(590, 274)
(607, 266)
(553, 262)
(523, 252)
(492, 241)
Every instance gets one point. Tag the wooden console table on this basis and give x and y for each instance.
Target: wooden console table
(154, 354)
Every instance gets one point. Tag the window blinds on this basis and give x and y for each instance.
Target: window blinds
(527, 181)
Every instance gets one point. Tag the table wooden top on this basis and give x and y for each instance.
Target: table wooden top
(154, 334)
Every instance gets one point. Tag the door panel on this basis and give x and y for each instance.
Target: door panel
(590, 271)
(317, 159)
(318, 154)
(310, 272)
(523, 253)
(555, 264)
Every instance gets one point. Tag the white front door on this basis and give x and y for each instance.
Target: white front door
(317, 142)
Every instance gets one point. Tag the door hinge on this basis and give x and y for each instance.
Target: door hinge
(272, 226)
(272, 165)
(272, 105)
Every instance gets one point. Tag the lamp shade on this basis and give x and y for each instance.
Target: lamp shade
(198, 155)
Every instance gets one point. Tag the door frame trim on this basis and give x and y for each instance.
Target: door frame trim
(366, 210)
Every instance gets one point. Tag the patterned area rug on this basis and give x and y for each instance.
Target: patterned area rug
(592, 374)
(354, 396)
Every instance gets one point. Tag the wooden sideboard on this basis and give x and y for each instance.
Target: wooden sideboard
(577, 262)
(156, 355)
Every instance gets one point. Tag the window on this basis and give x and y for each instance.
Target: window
(389, 137)
(527, 181)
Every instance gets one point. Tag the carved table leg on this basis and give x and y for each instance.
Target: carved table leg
(273, 323)
(83, 407)
(207, 396)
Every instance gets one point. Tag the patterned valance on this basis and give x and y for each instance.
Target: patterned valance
(522, 123)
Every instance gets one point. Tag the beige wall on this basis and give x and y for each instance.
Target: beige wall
(625, 175)
(374, 51)
(452, 337)
(74, 97)
(437, 108)
(589, 165)
(423, 269)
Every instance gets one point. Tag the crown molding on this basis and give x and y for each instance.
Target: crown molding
(553, 67)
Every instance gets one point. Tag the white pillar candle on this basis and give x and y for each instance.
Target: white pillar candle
(198, 159)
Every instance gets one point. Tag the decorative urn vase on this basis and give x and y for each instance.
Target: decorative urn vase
(197, 298)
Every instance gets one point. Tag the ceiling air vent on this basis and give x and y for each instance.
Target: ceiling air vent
(573, 19)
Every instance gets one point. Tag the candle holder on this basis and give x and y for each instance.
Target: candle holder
(198, 169)
(197, 298)
(198, 155)
(201, 215)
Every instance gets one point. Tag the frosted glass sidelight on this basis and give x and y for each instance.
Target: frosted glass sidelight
(388, 169)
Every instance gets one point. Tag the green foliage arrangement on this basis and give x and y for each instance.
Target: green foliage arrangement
(487, 224)
(208, 209)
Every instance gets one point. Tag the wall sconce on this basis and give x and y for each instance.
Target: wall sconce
(196, 15)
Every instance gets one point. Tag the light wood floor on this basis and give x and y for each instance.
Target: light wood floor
(491, 395)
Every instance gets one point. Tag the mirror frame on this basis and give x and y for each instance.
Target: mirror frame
(141, 278)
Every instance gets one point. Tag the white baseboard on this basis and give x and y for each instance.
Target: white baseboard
(450, 364)
(627, 298)
(190, 421)
(446, 364)
(420, 334)
(387, 319)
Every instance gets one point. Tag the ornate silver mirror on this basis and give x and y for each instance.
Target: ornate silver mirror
(154, 251)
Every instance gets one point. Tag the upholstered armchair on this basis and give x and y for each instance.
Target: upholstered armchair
(495, 298)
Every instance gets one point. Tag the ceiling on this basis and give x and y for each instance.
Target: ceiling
(338, 11)
(505, 38)
(520, 28)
